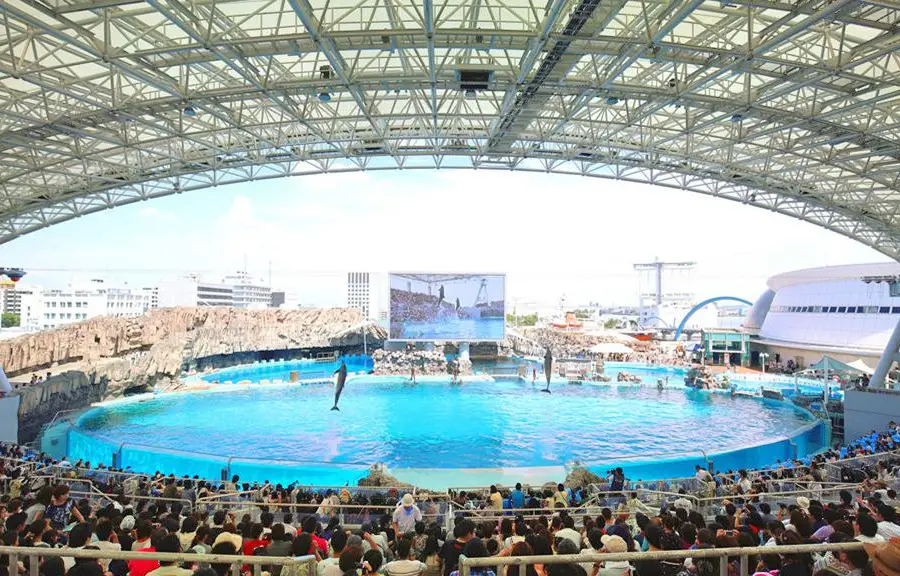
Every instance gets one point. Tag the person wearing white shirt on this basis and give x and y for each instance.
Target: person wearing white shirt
(79, 537)
(745, 483)
(887, 517)
(406, 515)
(595, 546)
(866, 529)
(107, 540)
(335, 547)
(404, 565)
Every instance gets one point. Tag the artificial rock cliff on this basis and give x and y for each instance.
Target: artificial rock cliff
(103, 357)
(164, 340)
(39, 405)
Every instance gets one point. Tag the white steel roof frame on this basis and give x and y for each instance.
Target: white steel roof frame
(789, 107)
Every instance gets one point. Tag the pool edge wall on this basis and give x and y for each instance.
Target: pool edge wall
(806, 441)
(146, 459)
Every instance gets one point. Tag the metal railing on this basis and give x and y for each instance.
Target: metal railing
(35, 555)
(349, 514)
(742, 554)
(833, 469)
(832, 492)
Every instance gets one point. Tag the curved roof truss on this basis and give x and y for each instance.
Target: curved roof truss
(789, 106)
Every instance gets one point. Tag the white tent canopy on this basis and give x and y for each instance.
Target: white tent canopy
(610, 348)
(614, 335)
(862, 366)
(4, 382)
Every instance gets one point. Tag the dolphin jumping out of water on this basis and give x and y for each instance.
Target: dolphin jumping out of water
(548, 369)
(339, 387)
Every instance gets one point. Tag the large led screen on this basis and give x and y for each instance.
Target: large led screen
(453, 307)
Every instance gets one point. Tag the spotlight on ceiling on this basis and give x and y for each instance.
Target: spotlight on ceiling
(325, 97)
(189, 111)
(612, 100)
(736, 118)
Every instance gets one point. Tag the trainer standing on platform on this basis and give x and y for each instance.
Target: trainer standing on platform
(406, 515)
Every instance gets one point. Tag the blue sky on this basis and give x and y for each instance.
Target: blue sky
(551, 234)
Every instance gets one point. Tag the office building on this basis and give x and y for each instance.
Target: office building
(46, 309)
(191, 291)
(249, 292)
(358, 295)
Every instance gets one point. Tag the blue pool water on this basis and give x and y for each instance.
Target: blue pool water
(272, 371)
(451, 329)
(435, 426)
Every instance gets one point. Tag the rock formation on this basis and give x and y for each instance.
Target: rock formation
(432, 363)
(580, 476)
(103, 357)
(378, 476)
(162, 341)
(38, 405)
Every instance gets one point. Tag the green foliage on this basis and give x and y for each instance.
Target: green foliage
(9, 320)
(611, 324)
(583, 314)
(526, 320)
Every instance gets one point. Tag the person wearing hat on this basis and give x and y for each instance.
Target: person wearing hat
(803, 503)
(885, 557)
(406, 515)
(612, 545)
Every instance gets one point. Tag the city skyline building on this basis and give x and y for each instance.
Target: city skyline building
(41, 309)
(358, 292)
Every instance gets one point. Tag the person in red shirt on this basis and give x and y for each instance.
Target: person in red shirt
(311, 526)
(143, 567)
(255, 540)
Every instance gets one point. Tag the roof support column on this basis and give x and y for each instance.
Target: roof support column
(891, 354)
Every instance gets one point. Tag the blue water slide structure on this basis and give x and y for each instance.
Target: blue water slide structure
(706, 302)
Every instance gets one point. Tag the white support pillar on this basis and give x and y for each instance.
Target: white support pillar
(463, 350)
(891, 354)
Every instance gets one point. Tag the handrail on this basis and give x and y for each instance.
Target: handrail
(314, 488)
(761, 495)
(466, 564)
(187, 504)
(235, 562)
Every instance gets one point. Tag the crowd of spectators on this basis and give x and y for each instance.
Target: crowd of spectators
(535, 341)
(404, 538)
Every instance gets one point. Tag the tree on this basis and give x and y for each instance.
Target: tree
(611, 324)
(583, 314)
(9, 320)
(527, 320)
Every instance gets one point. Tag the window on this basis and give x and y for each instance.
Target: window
(816, 309)
(884, 310)
(895, 310)
(860, 309)
(842, 309)
(851, 309)
(832, 310)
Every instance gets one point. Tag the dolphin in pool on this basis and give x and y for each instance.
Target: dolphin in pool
(339, 386)
(548, 369)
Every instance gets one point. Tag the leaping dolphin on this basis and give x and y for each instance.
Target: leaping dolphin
(548, 369)
(339, 387)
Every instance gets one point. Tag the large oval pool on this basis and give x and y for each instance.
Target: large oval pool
(436, 433)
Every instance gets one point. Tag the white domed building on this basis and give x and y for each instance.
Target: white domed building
(845, 312)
